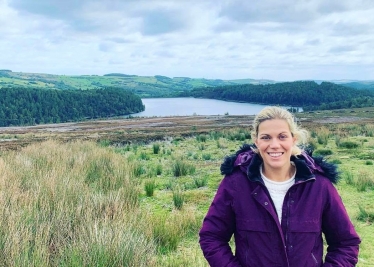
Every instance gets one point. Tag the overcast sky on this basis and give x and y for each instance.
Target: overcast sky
(268, 39)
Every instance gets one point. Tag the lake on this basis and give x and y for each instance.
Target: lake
(186, 106)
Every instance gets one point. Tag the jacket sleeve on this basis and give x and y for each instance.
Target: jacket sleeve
(341, 237)
(218, 228)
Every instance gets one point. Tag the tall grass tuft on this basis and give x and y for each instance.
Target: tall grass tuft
(323, 135)
(182, 168)
(348, 177)
(323, 152)
(73, 204)
(156, 148)
(178, 198)
(338, 140)
(206, 156)
(149, 187)
(165, 234)
(348, 144)
(200, 181)
(365, 215)
(364, 181)
(201, 138)
(158, 169)
(144, 156)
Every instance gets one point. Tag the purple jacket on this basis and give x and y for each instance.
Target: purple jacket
(243, 207)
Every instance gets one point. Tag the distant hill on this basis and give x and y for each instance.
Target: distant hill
(306, 94)
(144, 86)
(357, 84)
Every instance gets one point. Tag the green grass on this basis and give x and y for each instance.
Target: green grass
(89, 204)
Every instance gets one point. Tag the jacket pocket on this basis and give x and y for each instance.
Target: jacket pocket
(305, 241)
(258, 243)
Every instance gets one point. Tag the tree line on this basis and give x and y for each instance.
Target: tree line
(306, 94)
(29, 106)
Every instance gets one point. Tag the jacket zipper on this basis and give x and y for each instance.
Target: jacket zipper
(288, 210)
(288, 216)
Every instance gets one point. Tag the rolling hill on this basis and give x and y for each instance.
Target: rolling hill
(144, 86)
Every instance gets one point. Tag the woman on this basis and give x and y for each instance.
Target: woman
(277, 201)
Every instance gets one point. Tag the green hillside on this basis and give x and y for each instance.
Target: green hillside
(306, 94)
(29, 106)
(144, 86)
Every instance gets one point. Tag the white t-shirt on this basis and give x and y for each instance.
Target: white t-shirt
(278, 191)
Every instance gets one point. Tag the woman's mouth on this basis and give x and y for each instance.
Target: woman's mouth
(275, 154)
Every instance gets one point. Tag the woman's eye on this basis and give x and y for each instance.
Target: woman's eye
(283, 137)
(265, 137)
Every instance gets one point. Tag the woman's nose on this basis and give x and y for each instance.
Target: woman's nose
(274, 142)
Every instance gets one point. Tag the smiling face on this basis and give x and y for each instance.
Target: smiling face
(275, 142)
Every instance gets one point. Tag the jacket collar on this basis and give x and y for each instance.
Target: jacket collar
(306, 165)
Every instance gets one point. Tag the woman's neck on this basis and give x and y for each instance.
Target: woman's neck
(278, 174)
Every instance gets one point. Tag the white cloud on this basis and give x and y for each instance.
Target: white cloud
(270, 39)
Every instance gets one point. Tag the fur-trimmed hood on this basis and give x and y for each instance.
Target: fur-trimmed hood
(306, 165)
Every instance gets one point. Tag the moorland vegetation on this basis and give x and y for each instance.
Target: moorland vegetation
(85, 203)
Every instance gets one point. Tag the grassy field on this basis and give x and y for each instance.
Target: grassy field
(105, 203)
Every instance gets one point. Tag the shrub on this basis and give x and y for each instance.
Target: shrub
(368, 162)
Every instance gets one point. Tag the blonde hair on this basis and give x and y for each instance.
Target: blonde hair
(273, 112)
